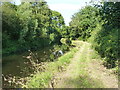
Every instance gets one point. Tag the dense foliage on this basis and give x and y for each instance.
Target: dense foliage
(31, 25)
(99, 24)
(107, 36)
(83, 22)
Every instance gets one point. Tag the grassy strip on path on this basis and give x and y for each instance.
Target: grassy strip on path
(97, 70)
(76, 75)
(86, 71)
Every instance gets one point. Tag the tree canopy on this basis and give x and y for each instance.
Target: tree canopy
(33, 25)
(99, 24)
(30, 25)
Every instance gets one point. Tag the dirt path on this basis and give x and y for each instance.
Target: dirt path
(85, 72)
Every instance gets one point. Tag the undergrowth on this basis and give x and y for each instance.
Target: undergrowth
(43, 72)
(41, 80)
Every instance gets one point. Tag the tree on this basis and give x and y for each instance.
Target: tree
(30, 25)
(10, 21)
(83, 22)
(56, 26)
(107, 37)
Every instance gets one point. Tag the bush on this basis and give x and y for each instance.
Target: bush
(105, 41)
(66, 41)
(65, 48)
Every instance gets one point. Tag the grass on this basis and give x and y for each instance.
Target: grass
(41, 80)
(84, 70)
(77, 75)
(85, 80)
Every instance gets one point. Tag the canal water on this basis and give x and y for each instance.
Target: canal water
(14, 65)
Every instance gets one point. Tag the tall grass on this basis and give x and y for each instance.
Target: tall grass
(42, 79)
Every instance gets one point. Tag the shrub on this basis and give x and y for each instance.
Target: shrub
(66, 41)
